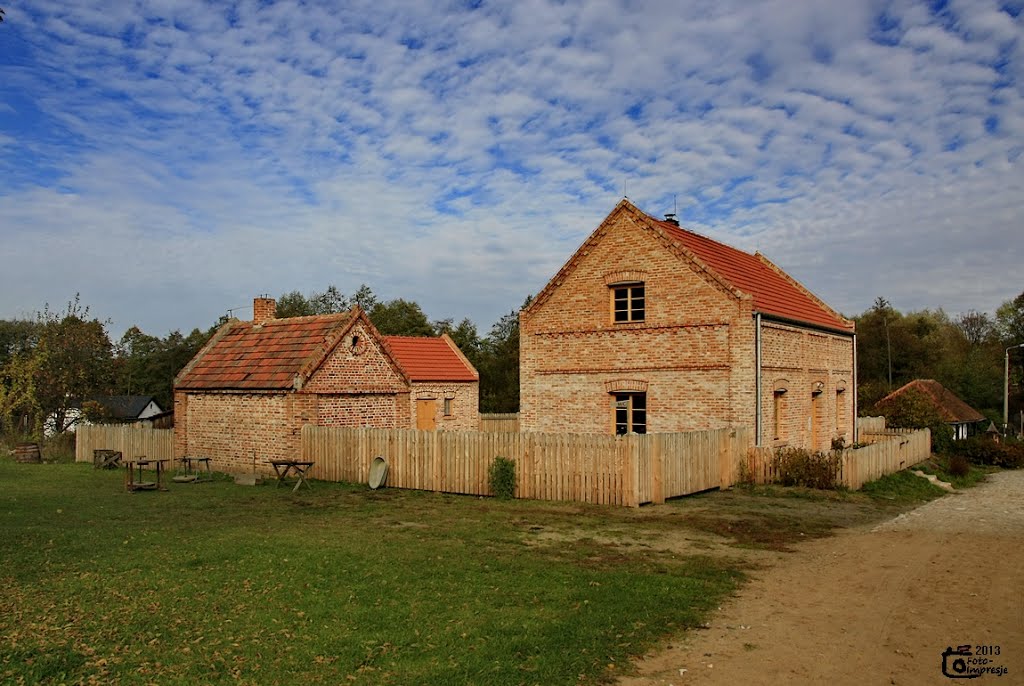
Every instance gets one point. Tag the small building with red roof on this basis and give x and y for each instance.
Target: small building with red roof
(444, 387)
(961, 417)
(247, 393)
(650, 327)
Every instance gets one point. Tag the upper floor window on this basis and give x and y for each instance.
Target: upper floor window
(628, 302)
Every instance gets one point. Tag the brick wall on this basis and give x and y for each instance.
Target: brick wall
(380, 411)
(465, 404)
(796, 360)
(230, 428)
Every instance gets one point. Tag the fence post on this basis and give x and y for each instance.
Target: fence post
(657, 469)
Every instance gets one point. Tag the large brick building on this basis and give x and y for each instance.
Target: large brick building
(246, 395)
(652, 328)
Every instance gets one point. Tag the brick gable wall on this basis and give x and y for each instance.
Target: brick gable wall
(365, 369)
(572, 353)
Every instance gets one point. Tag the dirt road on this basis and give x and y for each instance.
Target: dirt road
(874, 606)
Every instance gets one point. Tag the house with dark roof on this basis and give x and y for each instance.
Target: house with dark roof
(963, 418)
(649, 327)
(243, 399)
(113, 409)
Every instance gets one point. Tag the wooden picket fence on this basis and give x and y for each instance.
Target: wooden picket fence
(500, 423)
(133, 440)
(625, 470)
(888, 452)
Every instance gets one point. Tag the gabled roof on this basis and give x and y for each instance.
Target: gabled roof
(773, 292)
(424, 358)
(123, 406)
(952, 409)
(277, 354)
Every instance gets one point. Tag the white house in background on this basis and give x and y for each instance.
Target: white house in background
(119, 409)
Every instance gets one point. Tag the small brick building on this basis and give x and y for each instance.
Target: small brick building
(249, 391)
(652, 328)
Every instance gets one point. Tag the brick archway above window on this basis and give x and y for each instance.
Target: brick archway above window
(780, 386)
(625, 276)
(626, 386)
(817, 387)
(840, 386)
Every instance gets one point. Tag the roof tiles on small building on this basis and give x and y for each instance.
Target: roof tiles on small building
(430, 359)
(267, 356)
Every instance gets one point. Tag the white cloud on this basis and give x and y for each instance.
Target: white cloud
(188, 156)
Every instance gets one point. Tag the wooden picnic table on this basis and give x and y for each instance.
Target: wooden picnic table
(106, 459)
(194, 469)
(132, 484)
(297, 467)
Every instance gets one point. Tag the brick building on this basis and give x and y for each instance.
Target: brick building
(246, 395)
(652, 328)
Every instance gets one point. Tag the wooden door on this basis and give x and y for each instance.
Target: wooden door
(426, 414)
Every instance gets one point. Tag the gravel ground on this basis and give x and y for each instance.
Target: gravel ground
(874, 606)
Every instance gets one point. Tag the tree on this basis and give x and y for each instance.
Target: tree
(499, 365)
(293, 304)
(400, 318)
(1010, 321)
(976, 327)
(147, 365)
(464, 335)
(76, 361)
(364, 297)
(1010, 327)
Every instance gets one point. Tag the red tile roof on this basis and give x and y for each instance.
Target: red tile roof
(952, 409)
(773, 292)
(430, 359)
(268, 356)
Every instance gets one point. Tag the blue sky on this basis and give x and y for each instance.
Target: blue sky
(170, 159)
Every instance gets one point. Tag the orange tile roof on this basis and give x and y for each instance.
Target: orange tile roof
(951, 408)
(268, 356)
(772, 291)
(429, 359)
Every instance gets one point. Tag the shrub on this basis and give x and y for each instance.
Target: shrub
(959, 466)
(982, 450)
(800, 467)
(503, 478)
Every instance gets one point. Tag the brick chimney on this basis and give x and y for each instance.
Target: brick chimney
(263, 309)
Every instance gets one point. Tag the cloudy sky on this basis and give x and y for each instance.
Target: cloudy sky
(170, 159)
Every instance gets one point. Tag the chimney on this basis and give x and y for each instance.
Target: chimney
(671, 219)
(263, 309)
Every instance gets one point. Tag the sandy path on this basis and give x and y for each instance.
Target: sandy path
(874, 606)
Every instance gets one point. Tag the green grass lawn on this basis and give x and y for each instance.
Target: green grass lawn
(218, 583)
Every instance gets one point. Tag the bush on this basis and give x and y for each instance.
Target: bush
(913, 410)
(800, 467)
(983, 450)
(959, 466)
(503, 478)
